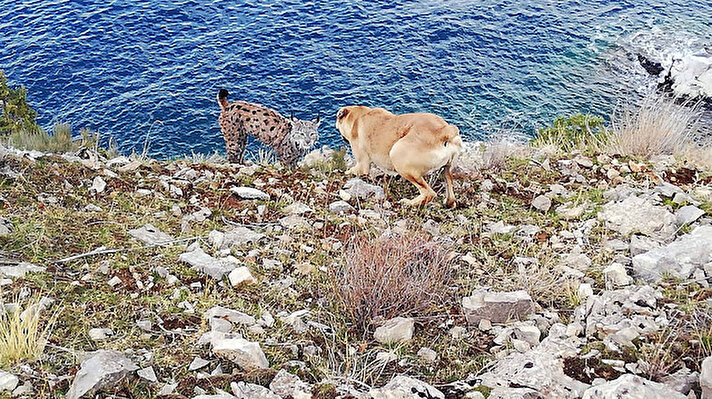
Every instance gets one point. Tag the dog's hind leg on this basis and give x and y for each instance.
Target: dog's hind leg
(450, 193)
(426, 193)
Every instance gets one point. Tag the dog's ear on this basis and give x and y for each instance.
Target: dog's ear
(342, 113)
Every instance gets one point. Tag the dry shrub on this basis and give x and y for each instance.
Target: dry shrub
(657, 127)
(392, 275)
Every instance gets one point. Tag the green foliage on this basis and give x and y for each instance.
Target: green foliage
(17, 115)
(578, 132)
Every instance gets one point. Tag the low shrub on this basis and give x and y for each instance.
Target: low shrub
(578, 132)
(392, 275)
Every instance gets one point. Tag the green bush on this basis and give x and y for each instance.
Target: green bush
(17, 115)
(578, 132)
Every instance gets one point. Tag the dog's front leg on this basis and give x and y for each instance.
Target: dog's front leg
(363, 165)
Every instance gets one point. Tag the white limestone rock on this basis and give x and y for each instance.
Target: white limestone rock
(233, 316)
(706, 378)
(395, 330)
(103, 368)
(248, 355)
(244, 390)
(404, 387)
(630, 386)
(679, 258)
(637, 215)
(241, 275)
(287, 385)
(358, 188)
(497, 307)
(542, 203)
(150, 235)
(249, 193)
(8, 381)
(204, 263)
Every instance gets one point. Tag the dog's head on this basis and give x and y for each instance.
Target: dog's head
(346, 119)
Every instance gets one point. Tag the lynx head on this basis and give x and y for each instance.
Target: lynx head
(304, 134)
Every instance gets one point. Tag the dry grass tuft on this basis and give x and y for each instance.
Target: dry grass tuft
(394, 275)
(659, 127)
(20, 335)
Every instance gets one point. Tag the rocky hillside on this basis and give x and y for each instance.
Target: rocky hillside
(557, 276)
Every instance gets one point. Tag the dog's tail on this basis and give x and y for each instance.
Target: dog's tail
(222, 98)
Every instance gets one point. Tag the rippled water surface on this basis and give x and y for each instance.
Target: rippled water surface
(128, 69)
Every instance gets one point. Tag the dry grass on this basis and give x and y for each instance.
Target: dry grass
(660, 127)
(388, 276)
(658, 358)
(20, 335)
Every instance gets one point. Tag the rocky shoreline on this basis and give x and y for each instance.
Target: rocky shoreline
(568, 276)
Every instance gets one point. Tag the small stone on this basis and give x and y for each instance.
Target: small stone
(340, 207)
(202, 262)
(144, 325)
(362, 190)
(428, 355)
(288, 385)
(297, 208)
(498, 307)
(148, 374)
(617, 275)
(585, 290)
(484, 325)
(241, 275)
(458, 332)
(197, 364)
(249, 193)
(706, 378)
(98, 185)
(688, 214)
(245, 354)
(150, 235)
(114, 281)
(244, 390)
(633, 387)
(101, 369)
(233, 316)
(167, 389)
(92, 208)
(527, 333)
(293, 222)
(396, 330)
(100, 334)
(542, 203)
(8, 381)
(404, 387)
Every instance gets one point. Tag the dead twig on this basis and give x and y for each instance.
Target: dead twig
(105, 251)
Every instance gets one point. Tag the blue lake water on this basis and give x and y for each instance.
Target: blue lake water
(132, 69)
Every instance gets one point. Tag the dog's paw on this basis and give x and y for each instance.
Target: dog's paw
(451, 204)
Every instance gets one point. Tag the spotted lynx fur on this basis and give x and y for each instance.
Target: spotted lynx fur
(289, 138)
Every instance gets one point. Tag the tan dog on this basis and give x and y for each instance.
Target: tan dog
(411, 144)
